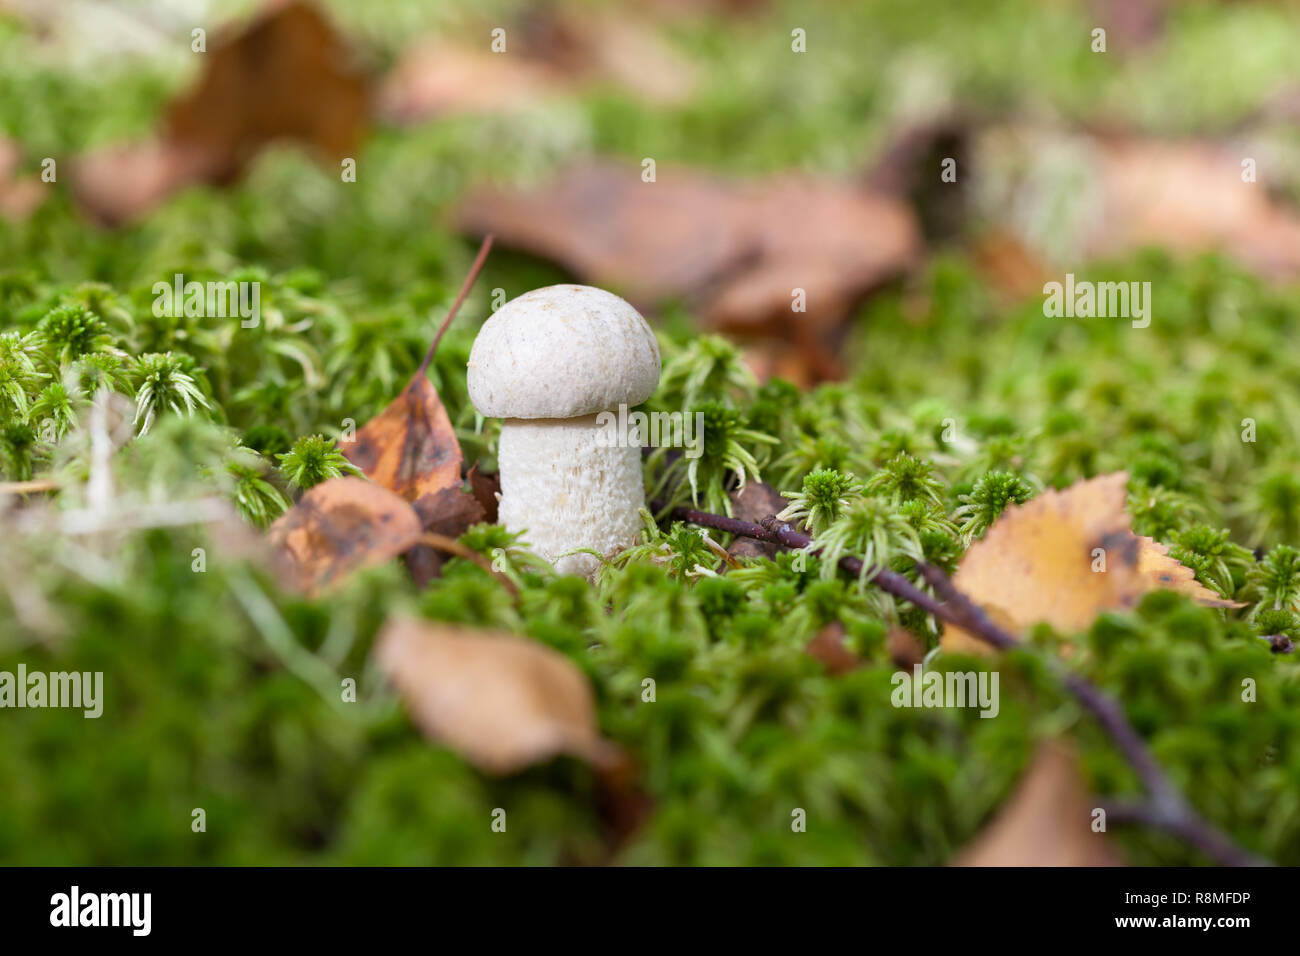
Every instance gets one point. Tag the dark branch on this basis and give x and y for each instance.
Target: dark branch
(1164, 808)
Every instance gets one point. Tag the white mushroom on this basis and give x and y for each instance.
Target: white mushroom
(548, 362)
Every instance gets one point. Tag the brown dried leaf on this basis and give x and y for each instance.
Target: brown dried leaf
(601, 222)
(285, 75)
(502, 702)
(753, 503)
(20, 196)
(828, 647)
(1185, 196)
(485, 489)
(411, 448)
(1046, 822)
(339, 526)
(739, 249)
(553, 50)
(1189, 197)
(905, 648)
(436, 78)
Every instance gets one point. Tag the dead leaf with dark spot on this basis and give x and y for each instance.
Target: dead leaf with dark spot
(286, 75)
(1046, 822)
(502, 702)
(410, 448)
(339, 526)
(1063, 558)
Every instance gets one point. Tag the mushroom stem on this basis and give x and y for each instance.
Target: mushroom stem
(565, 486)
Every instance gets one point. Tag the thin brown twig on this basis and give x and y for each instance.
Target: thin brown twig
(452, 546)
(1164, 809)
(468, 284)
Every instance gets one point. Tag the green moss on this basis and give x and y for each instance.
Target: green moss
(959, 405)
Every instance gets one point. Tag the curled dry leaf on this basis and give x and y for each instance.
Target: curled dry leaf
(410, 448)
(339, 526)
(740, 250)
(285, 75)
(502, 702)
(1063, 558)
(1046, 822)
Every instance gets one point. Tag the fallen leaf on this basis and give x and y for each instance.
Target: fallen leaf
(1009, 266)
(411, 448)
(286, 75)
(1148, 185)
(502, 702)
(782, 259)
(752, 503)
(1040, 563)
(485, 489)
(1035, 563)
(1186, 196)
(1161, 572)
(339, 526)
(20, 196)
(905, 648)
(435, 78)
(553, 50)
(601, 222)
(1046, 821)
(828, 647)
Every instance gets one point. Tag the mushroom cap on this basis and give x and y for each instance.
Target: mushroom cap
(560, 352)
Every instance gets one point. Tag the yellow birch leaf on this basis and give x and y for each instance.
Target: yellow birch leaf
(1063, 558)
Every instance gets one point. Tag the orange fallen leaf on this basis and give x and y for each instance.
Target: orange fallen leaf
(410, 448)
(286, 75)
(502, 702)
(1046, 822)
(1063, 558)
(339, 526)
